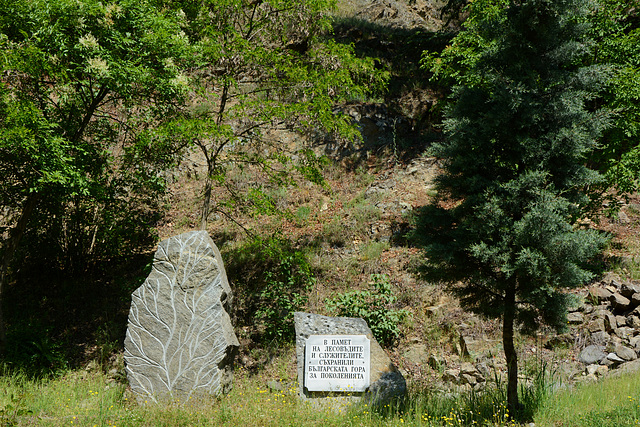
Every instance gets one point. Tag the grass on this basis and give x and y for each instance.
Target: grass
(614, 401)
(89, 398)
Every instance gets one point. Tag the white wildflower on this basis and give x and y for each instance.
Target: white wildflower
(180, 82)
(112, 9)
(183, 36)
(169, 64)
(98, 66)
(89, 41)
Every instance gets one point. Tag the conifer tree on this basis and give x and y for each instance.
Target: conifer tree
(503, 232)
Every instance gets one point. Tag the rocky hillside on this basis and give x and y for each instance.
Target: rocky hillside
(357, 225)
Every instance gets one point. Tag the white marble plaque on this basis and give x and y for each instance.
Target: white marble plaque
(337, 363)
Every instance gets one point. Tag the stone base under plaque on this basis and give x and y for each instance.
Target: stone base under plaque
(386, 382)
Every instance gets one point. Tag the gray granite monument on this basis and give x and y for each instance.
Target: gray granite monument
(180, 341)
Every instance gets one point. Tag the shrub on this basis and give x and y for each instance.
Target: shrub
(272, 279)
(374, 306)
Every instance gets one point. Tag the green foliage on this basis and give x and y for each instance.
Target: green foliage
(261, 70)
(32, 349)
(503, 233)
(271, 280)
(85, 84)
(514, 170)
(616, 32)
(375, 306)
(11, 413)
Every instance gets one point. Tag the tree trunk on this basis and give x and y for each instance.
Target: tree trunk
(510, 352)
(9, 250)
(206, 203)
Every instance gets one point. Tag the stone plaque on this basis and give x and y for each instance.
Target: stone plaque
(339, 363)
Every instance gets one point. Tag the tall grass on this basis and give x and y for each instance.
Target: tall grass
(613, 401)
(92, 399)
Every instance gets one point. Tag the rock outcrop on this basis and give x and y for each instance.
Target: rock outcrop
(610, 319)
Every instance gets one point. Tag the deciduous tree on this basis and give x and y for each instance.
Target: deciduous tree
(264, 67)
(82, 86)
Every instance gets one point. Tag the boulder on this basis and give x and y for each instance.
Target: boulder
(635, 299)
(619, 302)
(386, 382)
(625, 352)
(180, 341)
(628, 289)
(592, 354)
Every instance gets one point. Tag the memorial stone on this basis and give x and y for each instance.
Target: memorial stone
(385, 382)
(180, 341)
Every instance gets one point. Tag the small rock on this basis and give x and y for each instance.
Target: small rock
(416, 353)
(562, 340)
(619, 302)
(433, 311)
(628, 289)
(596, 325)
(612, 279)
(623, 218)
(465, 344)
(602, 370)
(591, 369)
(625, 352)
(635, 299)
(600, 337)
(435, 362)
(615, 359)
(451, 375)
(624, 332)
(275, 385)
(611, 288)
(610, 322)
(592, 354)
(587, 308)
(483, 369)
(575, 318)
(468, 379)
(607, 362)
(633, 321)
(600, 294)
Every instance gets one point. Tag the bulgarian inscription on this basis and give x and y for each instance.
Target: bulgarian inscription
(338, 363)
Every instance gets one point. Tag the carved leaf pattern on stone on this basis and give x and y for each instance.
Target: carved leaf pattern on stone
(175, 340)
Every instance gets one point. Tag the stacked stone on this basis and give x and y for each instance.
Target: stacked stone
(611, 316)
